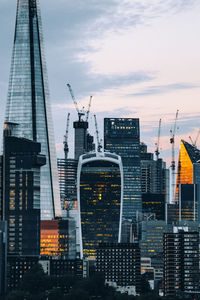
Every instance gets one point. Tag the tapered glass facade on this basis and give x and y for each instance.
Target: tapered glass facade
(122, 136)
(188, 156)
(28, 99)
(100, 187)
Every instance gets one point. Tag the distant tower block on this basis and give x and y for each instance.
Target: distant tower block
(80, 143)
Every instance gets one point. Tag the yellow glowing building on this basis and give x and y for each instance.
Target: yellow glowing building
(188, 156)
(54, 238)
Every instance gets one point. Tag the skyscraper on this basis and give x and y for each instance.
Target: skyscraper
(20, 196)
(122, 136)
(100, 192)
(28, 99)
(181, 261)
(188, 163)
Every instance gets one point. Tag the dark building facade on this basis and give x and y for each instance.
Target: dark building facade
(17, 266)
(67, 172)
(20, 198)
(181, 261)
(155, 184)
(100, 186)
(154, 204)
(28, 99)
(122, 136)
(120, 263)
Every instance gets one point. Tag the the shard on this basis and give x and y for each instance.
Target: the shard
(28, 99)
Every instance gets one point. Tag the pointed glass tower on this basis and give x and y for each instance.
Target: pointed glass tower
(28, 99)
(189, 156)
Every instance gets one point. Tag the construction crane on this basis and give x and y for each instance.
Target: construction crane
(173, 165)
(88, 111)
(194, 143)
(99, 145)
(80, 112)
(65, 142)
(158, 141)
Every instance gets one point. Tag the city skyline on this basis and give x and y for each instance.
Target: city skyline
(86, 47)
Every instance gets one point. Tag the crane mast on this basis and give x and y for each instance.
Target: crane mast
(88, 111)
(157, 152)
(173, 165)
(99, 146)
(65, 142)
(80, 112)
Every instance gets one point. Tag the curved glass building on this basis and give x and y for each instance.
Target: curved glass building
(28, 99)
(100, 196)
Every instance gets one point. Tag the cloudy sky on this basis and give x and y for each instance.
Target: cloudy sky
(138, 58)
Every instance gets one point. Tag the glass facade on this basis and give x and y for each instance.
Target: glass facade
(122, 137)
(28, 99)
(188, 156)
(54, 238)
(99, 198)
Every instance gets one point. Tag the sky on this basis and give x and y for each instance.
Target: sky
(137, 58)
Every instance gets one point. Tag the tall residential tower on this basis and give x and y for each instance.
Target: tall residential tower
(28, 99)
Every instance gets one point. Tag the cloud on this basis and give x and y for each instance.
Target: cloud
(160, 89)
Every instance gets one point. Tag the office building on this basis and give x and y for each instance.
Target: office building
(181, 261)
(188, 166)
(83, 141)
(152, 241)
(120, 263)
(154, 175)
(28, 99)
(54, 238)
(172, 212)
(100, 192)
(17, 266)
(155, 184)
(189, 202)
(122, 136)
(154, 204)
(67, 173)
(188, 206)
(20, 199)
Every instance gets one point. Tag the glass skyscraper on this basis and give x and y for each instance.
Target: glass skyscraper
(28, 99)
(122, 136)
(188, 166)
(100, 193)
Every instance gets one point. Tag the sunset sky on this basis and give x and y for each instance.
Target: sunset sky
(138, 59)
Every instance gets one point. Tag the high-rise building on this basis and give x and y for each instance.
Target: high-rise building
(67, 172)
(54, 239)
(154, 175)
(120, 264)
(154, 204)
(188, 166)
(152, 241)
(20, 198)
(122, 136)
(28, 99)
(189, 202)
(181, 261)
(100, 192)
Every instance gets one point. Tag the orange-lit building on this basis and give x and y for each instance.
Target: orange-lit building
(189, 155)
(54, 238)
